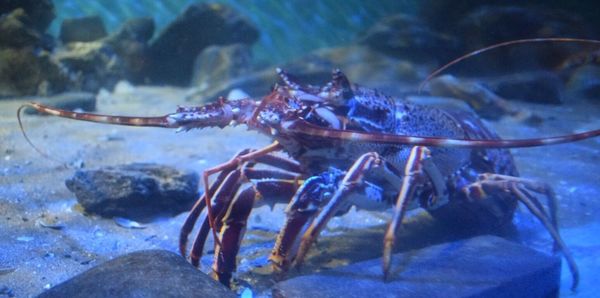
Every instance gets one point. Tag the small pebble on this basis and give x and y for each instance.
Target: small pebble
(129, 224)
(50, 223)
(247, 293)
(7, 270)
(6, 291)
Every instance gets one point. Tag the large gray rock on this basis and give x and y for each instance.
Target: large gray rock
(484, 266)
(130, 43)
(537, 86)
(219, 64)
(138, 191)
(151, 273)
(173, 51)
(407, 37)
(489, 25)
(480, 98)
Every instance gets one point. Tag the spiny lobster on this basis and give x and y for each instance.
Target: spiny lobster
(349, 145)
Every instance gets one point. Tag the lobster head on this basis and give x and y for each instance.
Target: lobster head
(290, 101)
(287, 101)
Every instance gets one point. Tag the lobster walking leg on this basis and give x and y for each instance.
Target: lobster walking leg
(231, 221)
(236, 161)
(231, 207)
(352, 179)
(413, 176)
(301, 210)
(285, 187)
(200, 204)
(521, 188)
(231, 231)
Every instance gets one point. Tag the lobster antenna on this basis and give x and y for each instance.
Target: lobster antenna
(499, 45)
(28, 105)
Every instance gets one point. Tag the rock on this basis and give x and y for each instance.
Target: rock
(259, 83)
(149, 273)
(92, 65)
(484, 266)
(102, 63)
(14, 31)
(217, 64)
(25, 72)
(407, 37)
(493, 24)
(137, 191)
(388, 74)
(67, 101)
(477, 24)
(40, 12)
(485, 102)
(137, 29)
(255, 84)
(539, 86)
(585, 80)
(383, 72)
(130, 43)
(26, 67)
(6, 292)
(443, 14)
(173, 52)
(82, 29)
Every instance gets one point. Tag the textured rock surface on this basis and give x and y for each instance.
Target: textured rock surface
(540, 86)
(484, 266)
(407, 37)
(135, 191)
(173, 51)
(151, 273)
(218, 64)
(130, 42)
(26, 67)
(40, 12)
(585, 80)
(82, 29)
(482, 100)
(92, 65)
(15, 32)
(24, 72)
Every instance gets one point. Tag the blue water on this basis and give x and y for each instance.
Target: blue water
(288, 28)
